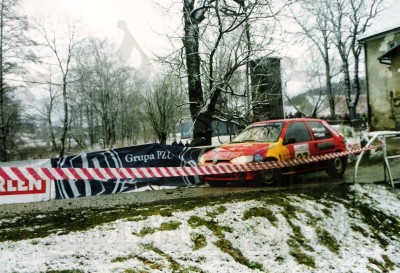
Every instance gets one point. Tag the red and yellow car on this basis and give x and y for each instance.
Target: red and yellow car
(278, 140)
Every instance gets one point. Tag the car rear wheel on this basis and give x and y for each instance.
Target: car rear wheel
(337, 167)
(269, 177)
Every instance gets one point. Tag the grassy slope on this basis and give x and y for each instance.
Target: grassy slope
(371, 222)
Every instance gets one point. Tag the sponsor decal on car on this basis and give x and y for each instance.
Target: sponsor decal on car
(301, 150)
(258, 158)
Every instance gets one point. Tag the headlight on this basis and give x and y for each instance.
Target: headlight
(242, 159)
(201, 160)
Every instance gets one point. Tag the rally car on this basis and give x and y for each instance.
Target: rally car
(278, 140)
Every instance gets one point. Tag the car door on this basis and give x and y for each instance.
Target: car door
(322, 139)
(297, 140)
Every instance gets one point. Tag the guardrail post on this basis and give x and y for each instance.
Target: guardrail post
(381, 135)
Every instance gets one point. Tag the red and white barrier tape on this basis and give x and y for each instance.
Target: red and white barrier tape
(16, 173)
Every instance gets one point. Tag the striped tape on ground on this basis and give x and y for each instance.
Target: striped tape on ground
(16, 173)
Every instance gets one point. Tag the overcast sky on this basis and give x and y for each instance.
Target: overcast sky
(145, 20)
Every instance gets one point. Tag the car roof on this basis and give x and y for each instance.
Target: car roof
(284, 120)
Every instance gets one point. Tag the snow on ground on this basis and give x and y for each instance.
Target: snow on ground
(288, 233)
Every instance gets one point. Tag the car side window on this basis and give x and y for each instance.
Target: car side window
(298, 132)
(319, 131)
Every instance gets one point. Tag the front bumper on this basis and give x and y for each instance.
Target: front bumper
(244, 176)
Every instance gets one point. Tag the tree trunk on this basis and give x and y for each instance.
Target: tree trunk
(3, 125)
(201, 123)
(162, 137)
(202, 130)
(53, 138)
(3, 120)
(331, 97)
(357, 87)
(91, 125)
(65, 121)
(347, 88)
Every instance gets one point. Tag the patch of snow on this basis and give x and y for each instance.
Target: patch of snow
(379, 197)
(118, 246)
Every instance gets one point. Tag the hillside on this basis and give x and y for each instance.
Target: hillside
(329, 228)
(307, 100)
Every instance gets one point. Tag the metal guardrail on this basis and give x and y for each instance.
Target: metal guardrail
(381, 136)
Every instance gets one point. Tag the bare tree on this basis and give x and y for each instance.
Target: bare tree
(77, 128)
(84, 101)
(63, 47)
(311, 102)
(49, 103)
(312, 17)
(192, 19)
(217, 45)
(161, 107)
(14, 51)
(105, 93)
(129, 123)
(349, 19)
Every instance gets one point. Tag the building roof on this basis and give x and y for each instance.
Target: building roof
(386, 21)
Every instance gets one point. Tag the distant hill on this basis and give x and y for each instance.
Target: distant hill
(307, 100)
(337, 88)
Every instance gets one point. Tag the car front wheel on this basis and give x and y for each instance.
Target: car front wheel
(337, 167)
(269, 177)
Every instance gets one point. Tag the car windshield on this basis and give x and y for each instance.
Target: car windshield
(260, 133)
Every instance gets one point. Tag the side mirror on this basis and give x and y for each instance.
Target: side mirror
(289, 141)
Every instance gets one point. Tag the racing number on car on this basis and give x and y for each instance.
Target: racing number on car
(301, 151)
(302, 155)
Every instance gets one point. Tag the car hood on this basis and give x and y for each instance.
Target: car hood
(231, 151)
